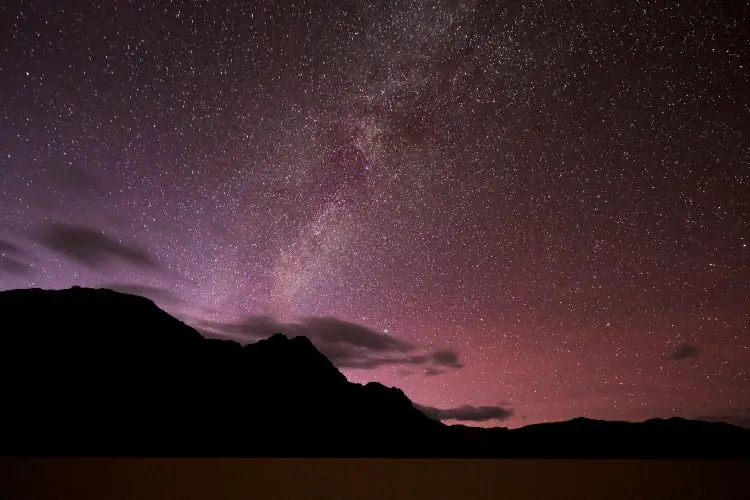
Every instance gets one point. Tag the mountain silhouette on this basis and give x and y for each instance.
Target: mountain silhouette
(97, 372)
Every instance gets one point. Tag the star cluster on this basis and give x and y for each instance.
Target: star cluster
(557, 191)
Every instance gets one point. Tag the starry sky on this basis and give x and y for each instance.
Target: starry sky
(515, 211)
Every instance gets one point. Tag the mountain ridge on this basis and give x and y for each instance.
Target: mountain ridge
(98, 372)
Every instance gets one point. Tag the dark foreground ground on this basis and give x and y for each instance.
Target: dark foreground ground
(217, 479)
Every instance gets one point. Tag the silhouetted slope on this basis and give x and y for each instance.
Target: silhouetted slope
(656, 438)
(95, 371)
(99, 372)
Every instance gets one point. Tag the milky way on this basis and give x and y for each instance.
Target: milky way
(539, 207)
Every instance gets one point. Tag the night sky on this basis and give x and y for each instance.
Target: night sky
(538, 209)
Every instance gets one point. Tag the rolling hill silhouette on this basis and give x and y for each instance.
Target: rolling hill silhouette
(97, 372)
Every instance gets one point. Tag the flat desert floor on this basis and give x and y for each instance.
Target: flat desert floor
(215, 479)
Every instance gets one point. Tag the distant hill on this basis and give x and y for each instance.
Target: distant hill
(96, 372)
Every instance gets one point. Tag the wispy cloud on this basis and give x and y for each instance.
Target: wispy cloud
(91, 247)
(467, 413)
(347, 345)
(685, 351)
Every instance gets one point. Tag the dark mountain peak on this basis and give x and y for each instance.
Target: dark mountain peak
(580, 420)
(587, 422)
(75, 296)
(295, 357)
(87, 317)
(276, 338)
(299, 342)
(675, 419)
(675, 424)
(384, 392)
(377, 386)
(303, 341)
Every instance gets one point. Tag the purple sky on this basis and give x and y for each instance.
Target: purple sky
(556, 193)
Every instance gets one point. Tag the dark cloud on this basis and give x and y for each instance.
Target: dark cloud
(77, 179)
(467, 413)
(347, 345)
(430, 372)
(91, 247)
(685, 351)
(251, 328)
(739, 417)
(342, 332)
(10, 261)
(716, 418)
(447, 358)
(150, 292)
(6, 247)
(10, 265)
